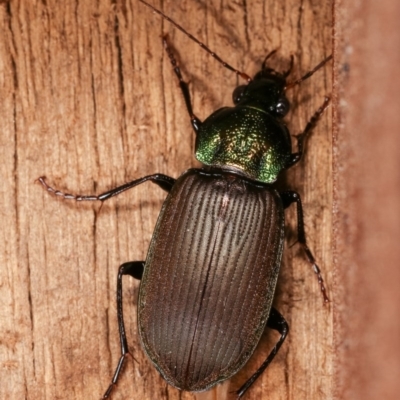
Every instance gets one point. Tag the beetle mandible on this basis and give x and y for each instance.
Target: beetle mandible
(216, 250)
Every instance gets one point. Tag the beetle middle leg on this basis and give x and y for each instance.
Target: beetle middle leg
(277, 322)
(289, 197)
(165, 182)
(134, 269)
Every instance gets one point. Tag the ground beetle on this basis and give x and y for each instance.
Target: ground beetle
(208, 282)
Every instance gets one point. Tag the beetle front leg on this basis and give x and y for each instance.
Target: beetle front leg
(183, 85)
(134, 269)
(163, 181)
(288, 198)
(277, 322)
(296, 157)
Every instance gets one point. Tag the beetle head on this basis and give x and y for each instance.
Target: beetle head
(266, 90)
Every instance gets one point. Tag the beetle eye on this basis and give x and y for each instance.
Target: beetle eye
(238, 93)
(282, 107)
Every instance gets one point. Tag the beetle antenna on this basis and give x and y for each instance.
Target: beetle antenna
(289, 70)
(202, 45)
(267, 57)
(308, 74)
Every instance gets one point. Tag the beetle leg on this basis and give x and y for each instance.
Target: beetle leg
(183, 85)
(296, 157)
(288, 198)
(165, 182)
(277, 322)
(134, 269)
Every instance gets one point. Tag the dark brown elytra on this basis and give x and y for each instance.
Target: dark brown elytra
(209, 278)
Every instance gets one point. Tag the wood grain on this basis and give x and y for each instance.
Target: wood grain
(88, 98)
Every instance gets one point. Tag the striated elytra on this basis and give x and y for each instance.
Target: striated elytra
(210, 274)
(210, 277)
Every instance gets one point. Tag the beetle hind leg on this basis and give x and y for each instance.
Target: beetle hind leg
(277, 322)
(134, 269)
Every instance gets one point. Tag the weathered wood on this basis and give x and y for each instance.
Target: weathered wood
(88, 98)
(367, 206)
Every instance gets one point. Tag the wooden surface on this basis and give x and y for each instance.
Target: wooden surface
(88, 99)
(366, 200)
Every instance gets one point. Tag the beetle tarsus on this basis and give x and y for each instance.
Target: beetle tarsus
(124, 269)
(321, 283)
(59, 193)
(316, 270)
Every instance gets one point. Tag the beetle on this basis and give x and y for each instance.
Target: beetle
(210, 274)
